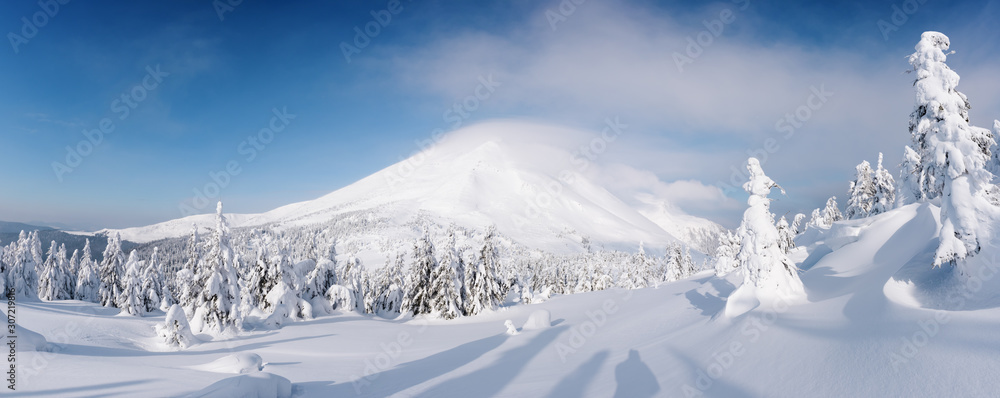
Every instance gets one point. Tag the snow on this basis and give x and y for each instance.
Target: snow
(254, 385)
(540, 319)
(243, 362)
(877, 320)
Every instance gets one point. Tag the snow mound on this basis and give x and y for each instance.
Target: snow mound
(175, 330)
(254, 385)
(540, 319)
(239, 363)
(28, 340)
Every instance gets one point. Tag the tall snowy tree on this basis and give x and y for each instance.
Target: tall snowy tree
(155, 292)
(389, 288)
(786, 236)
(130, 299)
(446, 282)
(485, 291)
(324, 275)
(419, 293)
(191, 286)
(831, 213)
(53, 279)
(861, 194)
(87, 280)
(797, 226)
(762, 261)
(220, 298)
(725, 253)
(112, 270)
(953, 154)
(26, 260)
(885, 189)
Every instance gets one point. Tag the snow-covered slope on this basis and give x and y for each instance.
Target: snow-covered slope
(868, 328)
(518, 176)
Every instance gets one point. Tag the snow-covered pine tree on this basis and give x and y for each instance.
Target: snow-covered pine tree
(445, 296)
(130, 299)
(816, 220)
(87, 280)
(485, 289)
(674, 259)
(187, 279)
(175, 330)
(831, 213)
(324, 275)
(861, 194)
(112, 270)
(52, 280)
(220, 298)
(953, 154)
(389, 288)
(786, 237)
(447, 299)
(725, 253)
(155, 293)
(885, 189)
(419, 293)
(688, 266)
(763, 264)
(27, 258)
(72, 268)
(797, 226)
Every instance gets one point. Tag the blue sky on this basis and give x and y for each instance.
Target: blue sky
(605, 59)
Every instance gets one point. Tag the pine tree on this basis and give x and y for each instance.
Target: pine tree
(418, 297)
(27, 258)
(861, 195)
(155, 292)
(797, 226)
(953, 154)
(725, 253)
(220, 297)
(485, 291)
(191, 285)
(816, 220)
(831, 213)
(322, 276)
(130, 299)
(111, 271)
(53, 279)
(786, 237)
(885, 190)
(87, 281)
(760, 258)
(445, 298)
(389, 288)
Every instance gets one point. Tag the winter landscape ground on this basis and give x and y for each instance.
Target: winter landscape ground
(502, 258)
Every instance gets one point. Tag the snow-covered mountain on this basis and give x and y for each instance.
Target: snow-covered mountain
(519, 176)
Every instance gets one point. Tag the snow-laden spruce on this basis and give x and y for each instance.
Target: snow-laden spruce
(885, 189)
(948, 157)
(861, 193)
(219, 308)
(766, 269)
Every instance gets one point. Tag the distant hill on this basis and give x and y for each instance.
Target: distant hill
(9, 232)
